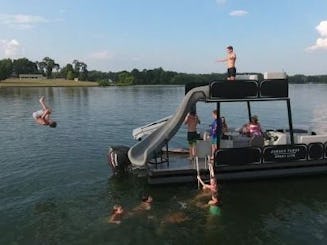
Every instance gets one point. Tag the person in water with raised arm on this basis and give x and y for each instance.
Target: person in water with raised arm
(42, 116)
(230, 60)
(212, 186)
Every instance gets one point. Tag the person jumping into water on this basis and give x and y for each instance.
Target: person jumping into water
(230, 60)
(42, 116)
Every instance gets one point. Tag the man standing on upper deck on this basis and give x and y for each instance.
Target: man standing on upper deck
(231, 60)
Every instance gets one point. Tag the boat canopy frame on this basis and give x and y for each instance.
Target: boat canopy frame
(248, 102)
(246, 90)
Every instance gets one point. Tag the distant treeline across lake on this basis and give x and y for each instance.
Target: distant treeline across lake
(160, 76)
(78, 70)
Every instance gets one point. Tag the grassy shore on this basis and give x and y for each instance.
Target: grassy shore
(45, 83)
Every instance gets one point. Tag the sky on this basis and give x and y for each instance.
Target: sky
(177, 35)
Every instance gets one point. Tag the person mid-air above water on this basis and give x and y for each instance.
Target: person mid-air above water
(42, 116)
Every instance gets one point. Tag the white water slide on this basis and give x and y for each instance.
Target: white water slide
(140, 153)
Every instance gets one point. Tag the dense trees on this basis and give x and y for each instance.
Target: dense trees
(125, 78)
(24, 66)
(47, 65)
(67, 72)
(78, 69)
(308, 79)
(6, 67)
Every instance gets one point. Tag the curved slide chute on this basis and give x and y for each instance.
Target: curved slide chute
(139, 153)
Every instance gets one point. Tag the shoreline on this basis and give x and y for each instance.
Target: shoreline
(45, 83)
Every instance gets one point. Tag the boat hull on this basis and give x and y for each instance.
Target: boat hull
(244, 172)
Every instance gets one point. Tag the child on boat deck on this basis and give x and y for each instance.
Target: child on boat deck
(192, 120)
(42, 116)
(215, 132)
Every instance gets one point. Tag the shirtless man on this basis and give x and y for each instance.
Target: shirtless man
(231, 60)
(192, 120)
(42, 116)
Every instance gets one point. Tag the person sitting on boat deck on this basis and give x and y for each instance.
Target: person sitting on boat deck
(192, 120)
(224, 128)
(215, 132)
(42, 116)
(253, 128)
(116, 214)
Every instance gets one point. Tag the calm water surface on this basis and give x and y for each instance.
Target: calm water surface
(56, 187)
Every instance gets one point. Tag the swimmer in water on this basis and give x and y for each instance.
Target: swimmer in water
(213, 188)
(116, 214)
(145, 204)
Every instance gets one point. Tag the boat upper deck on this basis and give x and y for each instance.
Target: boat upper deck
(272, 87)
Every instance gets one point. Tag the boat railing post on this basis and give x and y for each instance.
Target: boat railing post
(155, 155)
(290, 122)
(249, 110)
(167, 153)
(218, 140)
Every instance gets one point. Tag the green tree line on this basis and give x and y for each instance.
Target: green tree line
(78, 69)
(47, 67)
(307, 79)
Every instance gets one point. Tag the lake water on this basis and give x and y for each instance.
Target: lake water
(56, 186)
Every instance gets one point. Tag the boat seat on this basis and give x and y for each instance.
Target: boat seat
(307, 139)
(240, 141)
(238, 156)
(226, 143)
(257, 140)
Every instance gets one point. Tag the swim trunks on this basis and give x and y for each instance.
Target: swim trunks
(214, 210)
(37, 114)
(192, 137)
(231, 72)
